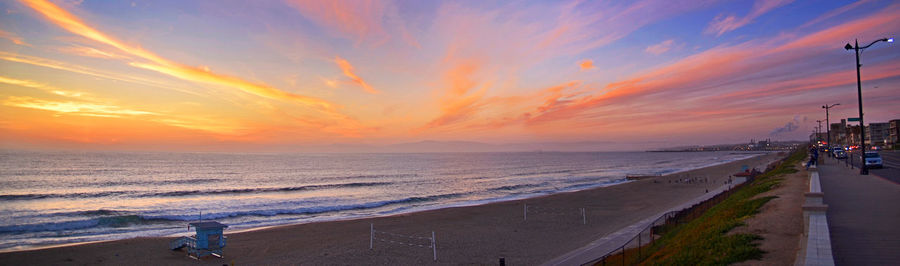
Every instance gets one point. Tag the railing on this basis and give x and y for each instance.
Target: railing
(184, 241)
(816, 247)
(635, 250)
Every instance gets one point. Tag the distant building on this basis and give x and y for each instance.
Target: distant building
(817, 137)
(853, 136)
(839, 133)
(877, 134)
(894, 135)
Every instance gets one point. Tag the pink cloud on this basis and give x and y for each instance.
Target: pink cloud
(587, 25)
(740, 75)
(660, 48)
(472, 33)
(358, 20)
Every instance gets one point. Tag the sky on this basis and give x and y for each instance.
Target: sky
(282, 75)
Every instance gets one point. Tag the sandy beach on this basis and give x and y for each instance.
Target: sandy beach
(464, 235)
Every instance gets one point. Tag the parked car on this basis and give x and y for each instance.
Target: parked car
(873, 160)
(840, 154)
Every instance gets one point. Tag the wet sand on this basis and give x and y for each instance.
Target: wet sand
(464, 235)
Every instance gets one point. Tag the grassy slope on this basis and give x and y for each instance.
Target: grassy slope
(705, 240)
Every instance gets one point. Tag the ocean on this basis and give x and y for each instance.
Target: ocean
(52, 198)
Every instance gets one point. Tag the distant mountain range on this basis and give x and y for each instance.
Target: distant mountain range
(471, 146)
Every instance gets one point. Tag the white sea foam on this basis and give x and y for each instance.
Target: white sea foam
(104, 196)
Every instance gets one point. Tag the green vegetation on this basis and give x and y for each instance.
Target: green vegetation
(705, 240)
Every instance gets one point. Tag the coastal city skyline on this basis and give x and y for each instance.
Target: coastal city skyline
(232, 76)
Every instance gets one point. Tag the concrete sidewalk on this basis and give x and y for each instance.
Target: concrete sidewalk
(863, 216)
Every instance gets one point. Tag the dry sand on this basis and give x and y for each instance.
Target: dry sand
(465, 235)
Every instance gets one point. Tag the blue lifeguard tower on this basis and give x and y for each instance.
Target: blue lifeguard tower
(209, 240)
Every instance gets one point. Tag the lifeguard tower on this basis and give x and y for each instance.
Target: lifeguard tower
(209, 240)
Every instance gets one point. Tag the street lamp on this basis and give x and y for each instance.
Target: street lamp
(863, 170)
(828, 124)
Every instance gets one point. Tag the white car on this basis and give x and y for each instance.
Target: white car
(873, 160)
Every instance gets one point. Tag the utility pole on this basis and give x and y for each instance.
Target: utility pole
(818, 131)
(828, 124)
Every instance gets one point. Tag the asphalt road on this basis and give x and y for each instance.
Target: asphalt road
(890, 159)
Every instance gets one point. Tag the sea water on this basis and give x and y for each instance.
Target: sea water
(51, 198)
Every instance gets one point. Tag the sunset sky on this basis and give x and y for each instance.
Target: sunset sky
(259, 75)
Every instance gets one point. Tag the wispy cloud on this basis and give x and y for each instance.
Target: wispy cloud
(13, 38)
(722, 23)
(84, 104)
(462, 94)
(835, 12)
(90, 52)
(73, 24)
(357, 20)
(746, 73)
(53, 64)
(479, 60)
(40, 86)
(660, 48)
(347, 68)
(491, 71)
(72, 107)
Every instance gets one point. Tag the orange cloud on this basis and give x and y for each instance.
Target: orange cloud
(77, 108)
(586, 64)
(84, 104)
(201, 75)
(23, 83)
(89, 52)
(13, 38)
(329, 82)
(699, 68)
(459, 103)
(74, 24)
(36, 85)
(348, 71)
(43, 62)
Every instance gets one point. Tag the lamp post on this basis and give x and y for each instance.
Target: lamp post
(863, 170)
(828, 125)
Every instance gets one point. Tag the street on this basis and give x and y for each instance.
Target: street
(890, 159)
